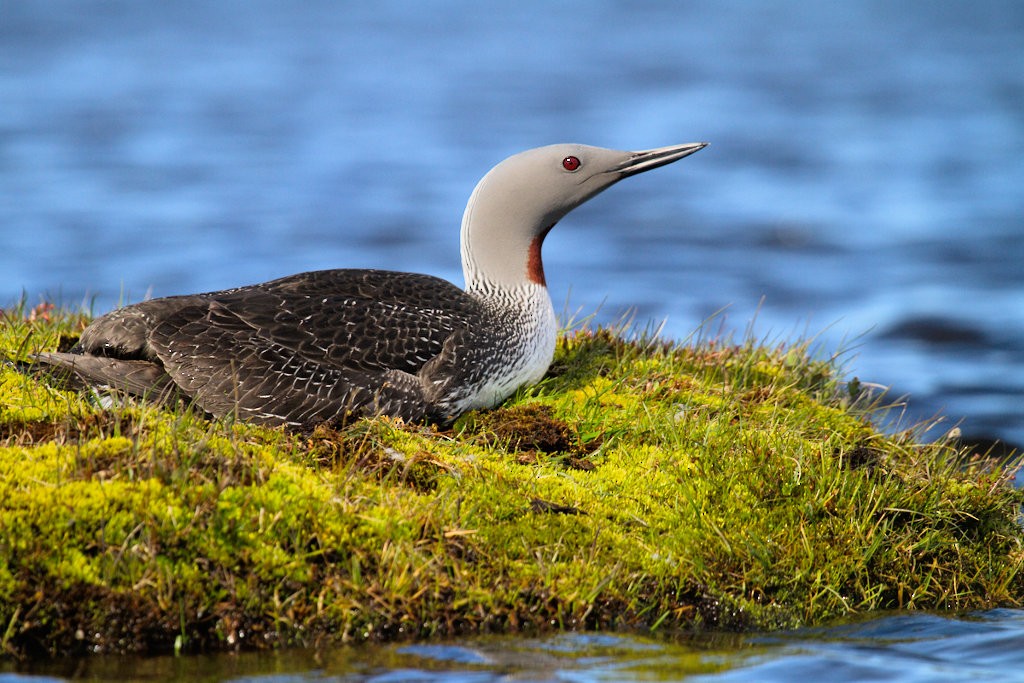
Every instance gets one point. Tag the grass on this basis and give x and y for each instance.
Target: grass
(643, 485)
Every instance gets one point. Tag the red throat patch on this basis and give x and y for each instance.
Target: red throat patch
(534, 265)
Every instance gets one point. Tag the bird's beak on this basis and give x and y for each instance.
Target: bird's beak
(638, 162)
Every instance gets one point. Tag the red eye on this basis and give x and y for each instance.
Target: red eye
(570, 163)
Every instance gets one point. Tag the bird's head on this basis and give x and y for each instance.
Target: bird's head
(515, 205)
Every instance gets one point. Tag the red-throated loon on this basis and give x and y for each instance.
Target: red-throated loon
(334, 343)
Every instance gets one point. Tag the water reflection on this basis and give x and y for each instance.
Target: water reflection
(901, 648)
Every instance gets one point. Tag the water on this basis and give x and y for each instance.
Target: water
(909, 648)
(865, 181)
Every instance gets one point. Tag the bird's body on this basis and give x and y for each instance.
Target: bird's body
(334, 343)
(311, 346)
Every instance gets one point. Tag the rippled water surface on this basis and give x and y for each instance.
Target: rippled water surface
(901, 648)
(865, 183)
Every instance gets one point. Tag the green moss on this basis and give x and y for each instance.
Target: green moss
(642, 485)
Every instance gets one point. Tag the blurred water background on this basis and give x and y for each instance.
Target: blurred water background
(864, 183)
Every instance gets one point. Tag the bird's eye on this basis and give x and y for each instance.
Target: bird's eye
(570, 163)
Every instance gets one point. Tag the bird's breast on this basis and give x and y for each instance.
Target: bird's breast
(517, 351)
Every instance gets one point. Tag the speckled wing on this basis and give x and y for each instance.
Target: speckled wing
(139, 377)
(296, 350)
(312, 346)
(367, 319)
(226, 366)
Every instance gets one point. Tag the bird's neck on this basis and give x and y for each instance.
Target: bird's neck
(501, 246)
(507, 265)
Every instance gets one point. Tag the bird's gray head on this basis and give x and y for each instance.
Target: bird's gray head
(515, 205)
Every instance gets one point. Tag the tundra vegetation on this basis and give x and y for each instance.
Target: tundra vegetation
(642, 485)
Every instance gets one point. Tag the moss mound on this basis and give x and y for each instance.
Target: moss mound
(642, 485)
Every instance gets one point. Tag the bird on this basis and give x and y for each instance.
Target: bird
(333, 345)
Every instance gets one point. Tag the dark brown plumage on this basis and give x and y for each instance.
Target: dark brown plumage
(295, 350)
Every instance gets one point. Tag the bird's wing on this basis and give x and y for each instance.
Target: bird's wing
(358, 319)
(228, 366)
(138, 377)
(297, 349)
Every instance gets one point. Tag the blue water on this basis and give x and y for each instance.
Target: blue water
(906, 648)
(864, 183)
